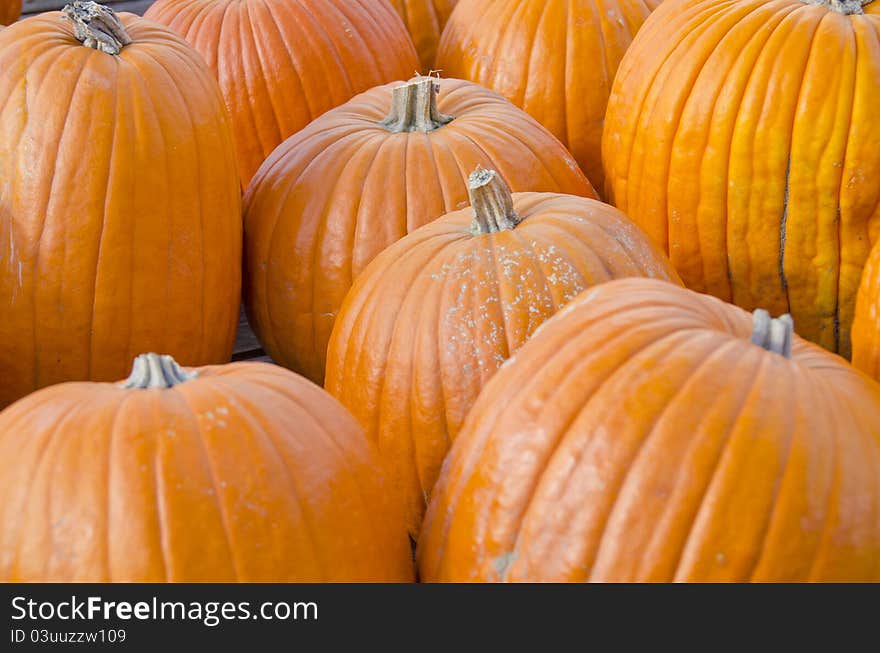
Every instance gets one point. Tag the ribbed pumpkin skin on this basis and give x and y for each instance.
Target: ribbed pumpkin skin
(282, 63)
(555, 59)
(333, 196)
(432, 319)
(751, 156)
(246, 473)
(866, 324)
(120, 206)
(10, 10)
(640, 436)
(425, 20)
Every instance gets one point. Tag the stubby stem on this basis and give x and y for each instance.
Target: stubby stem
(846, 7)
(96, 26)
(773, 335)
(414, 108)
(492, 203)
(155, 371)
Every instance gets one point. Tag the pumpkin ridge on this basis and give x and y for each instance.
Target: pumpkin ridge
(40, 462)
(664, 348)
(204, 446)
(527, 496)
(262, 431)
(249, 25)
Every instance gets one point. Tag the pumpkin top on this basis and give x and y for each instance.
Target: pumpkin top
(155, 371)
(414, 108)
(96, 26)
(492, 203)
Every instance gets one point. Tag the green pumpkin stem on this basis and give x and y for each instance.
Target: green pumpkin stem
(414, 108)
(96, 26)
(155, 371)
(773, 335)
(492, 203)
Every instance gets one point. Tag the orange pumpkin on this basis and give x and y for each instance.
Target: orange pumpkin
(554, 58)
(425, 20)
(866, 324)
(241, 472)
(358, 179)
(751, 156)
(120, 207)
(650, 433)
(435, 315)
(283, 64)
(10, 11)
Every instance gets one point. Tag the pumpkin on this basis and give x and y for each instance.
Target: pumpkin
(242, 472)
(9, 11)
(333, 196)
(425, 20)
(281, 64)
(555, 59)
(120, 207)
(435, 315)
(750, 156)
(866, 323)
(651, 433)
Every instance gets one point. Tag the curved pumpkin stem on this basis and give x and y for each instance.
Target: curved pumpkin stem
(492, 203)
(846, 7)
(773, 335)
(414, 108)
(155, 371)
(96, 26)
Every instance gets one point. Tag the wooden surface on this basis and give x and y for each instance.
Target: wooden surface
(247, 347)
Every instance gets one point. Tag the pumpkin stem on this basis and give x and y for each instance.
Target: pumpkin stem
(96, 26)
(845, 7)
(773, 335)
(414, 108)
(492, 203)
(155, 371)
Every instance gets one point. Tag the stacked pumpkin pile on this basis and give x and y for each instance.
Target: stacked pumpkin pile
(519, 379)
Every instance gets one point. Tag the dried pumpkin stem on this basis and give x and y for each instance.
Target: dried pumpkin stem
(414, 108)
(96, 26)
(155, 371)
(846, 7)
(773, 335)
(492, 203)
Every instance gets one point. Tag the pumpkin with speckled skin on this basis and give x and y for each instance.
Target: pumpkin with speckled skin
(742, 137)
(245, 472)
(362, 176)
(283, 63)
(120, 205)
(9, 11)
(641, 436)
(425, 20)
(556, 59)
(434, 316)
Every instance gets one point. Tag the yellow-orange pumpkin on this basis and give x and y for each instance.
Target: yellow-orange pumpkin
(650, 433)
(282, 63)
(243, 472)
(120, 206)
(554, 58)
(359, 178)
(9, 11)
(434, 316)
(742, 137)
(866, 324)
(425, 20)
